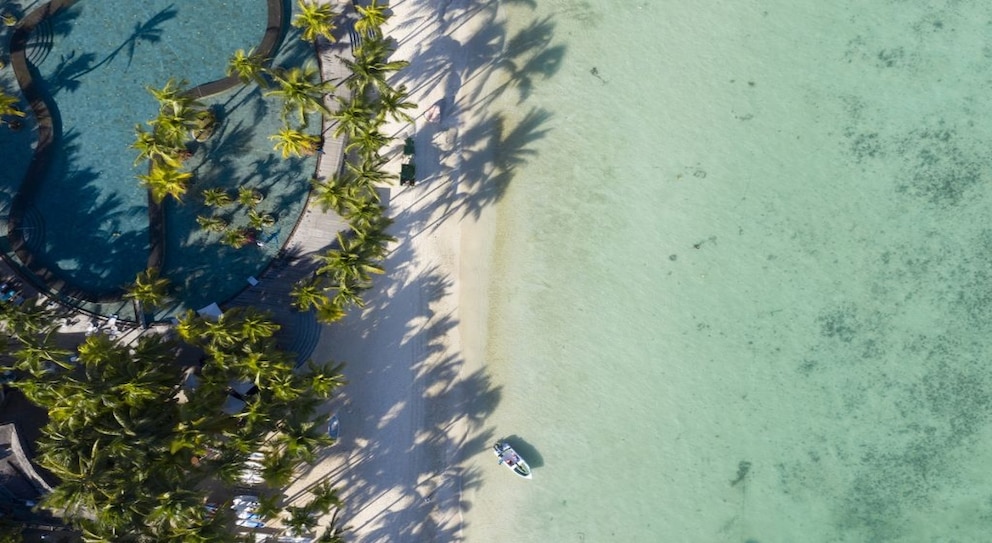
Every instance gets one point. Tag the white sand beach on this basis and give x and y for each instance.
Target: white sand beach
(417, 397)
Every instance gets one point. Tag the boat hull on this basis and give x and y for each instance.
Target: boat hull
(511, 459)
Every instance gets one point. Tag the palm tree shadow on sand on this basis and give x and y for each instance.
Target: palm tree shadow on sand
(424, 401)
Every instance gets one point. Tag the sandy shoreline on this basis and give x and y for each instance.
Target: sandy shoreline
(417, 397)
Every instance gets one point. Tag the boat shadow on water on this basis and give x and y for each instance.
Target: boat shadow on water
(526, 450)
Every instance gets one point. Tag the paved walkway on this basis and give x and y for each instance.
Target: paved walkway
(315, 232)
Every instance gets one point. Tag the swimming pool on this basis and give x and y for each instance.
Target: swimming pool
(80, 224)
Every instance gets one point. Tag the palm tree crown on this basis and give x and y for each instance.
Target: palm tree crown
(248, 67)
(315, 19)
(301, 90)
(371, 18)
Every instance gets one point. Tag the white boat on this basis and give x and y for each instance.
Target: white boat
(511, 459)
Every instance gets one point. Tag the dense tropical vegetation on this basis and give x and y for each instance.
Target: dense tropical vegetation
(136, 438)
(138, 433)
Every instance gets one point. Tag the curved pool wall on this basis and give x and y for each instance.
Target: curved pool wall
(80, 225)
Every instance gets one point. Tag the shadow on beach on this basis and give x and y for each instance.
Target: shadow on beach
(413, 409)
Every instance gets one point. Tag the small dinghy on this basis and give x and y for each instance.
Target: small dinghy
(509, 458)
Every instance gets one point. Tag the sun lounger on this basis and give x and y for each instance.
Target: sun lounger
(408, 175)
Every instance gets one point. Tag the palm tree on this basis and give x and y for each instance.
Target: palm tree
(369, 170)
(351, 260)
(249, 197)
(316, 20)
(301, 520)
(333, 533)
(8, 105)
(292, 142)
(255, 325)
(212, 224)
(333, 193)
(150, 146)
(248, 67)
(330, 311)
(260, 221)
(368, 142)
(392, 102)
(371, 19)
(234, 237)
(376, 238)
(172, 91)
(363, 215)
(307, 295)
(278, 468)
(352, 116)
(301, 90)
(268, 506)
(371, 66)
(178, 119)
(170, 131)
(216, 197)
(325, 378)
(349, 293)
(149, 289)
(164, 180)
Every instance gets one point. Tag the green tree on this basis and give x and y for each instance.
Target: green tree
(392, 102)
(11, 531)
(315, 19)
(131, 458)
(235, 237)
(352, 116)
(369, 171)
(371, 18)
(151, 146)
(371, 66)
(212, 224)
(333, 193)
(248, 66)
(8, 106)
(333, 532)
(165, 180)
(367, 143)
(260, 221)
(363, 215)
(307, 295)
(301, 91)
(292, 142)
(216, 197)
(352, 260)
(249, 197)
(149, 289)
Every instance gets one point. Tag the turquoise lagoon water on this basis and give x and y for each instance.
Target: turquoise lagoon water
(90, 221)
(743, 274)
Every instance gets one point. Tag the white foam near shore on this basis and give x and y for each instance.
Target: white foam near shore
(416, 395)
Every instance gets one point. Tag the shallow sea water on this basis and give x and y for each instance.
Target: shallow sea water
(742, 279)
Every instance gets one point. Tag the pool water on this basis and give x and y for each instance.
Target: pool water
(89, 220)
